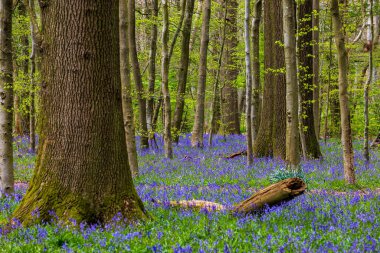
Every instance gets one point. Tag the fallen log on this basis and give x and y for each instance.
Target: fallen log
(274, 194)
(194, 204)
(244, 152)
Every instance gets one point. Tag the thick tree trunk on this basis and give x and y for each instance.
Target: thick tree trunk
(6, 99)
(292, 133)
(256, 69)
(229, 96)
(248, 78)
(165, 82)
(125, 78)
(348, 152)
(144, 143)
(152, 69)
(316, 90)
(305, 49)
(82, 169)
(183, 69)
(271, 137)
(197, 133)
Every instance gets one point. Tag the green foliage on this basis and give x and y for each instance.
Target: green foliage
(284, 173)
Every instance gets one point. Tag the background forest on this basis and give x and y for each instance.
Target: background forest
(146, 125)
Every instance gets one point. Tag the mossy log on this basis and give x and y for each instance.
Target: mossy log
(274, 194)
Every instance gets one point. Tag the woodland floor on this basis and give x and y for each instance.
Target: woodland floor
(330, 217)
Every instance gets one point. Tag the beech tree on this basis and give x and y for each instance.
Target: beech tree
(305, 51)
(292, 133)
(144, 143)
(126, 88)
(82, 168)
(197, 134)
(183, 69)
(348, 152)
(165, 81)
(6, 99)
(229, 73)
(248, 78)
(256, 68)
(271, 136)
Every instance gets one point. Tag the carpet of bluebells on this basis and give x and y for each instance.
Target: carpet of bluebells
(329, 217)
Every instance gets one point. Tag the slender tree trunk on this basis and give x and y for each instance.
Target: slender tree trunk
(82, 169)
(165, 82)
(256, 69)
(215, 105)
(195, 29)
(292, 133)
(137, 74)
(367, 85)
(183, 69)
(306, 78)
(316, 90)
(248, 78)
(179, 28)
(125, 78)
(229, 96)
(325, 132)
(348, 152)
(33, 59)
(6, 99)
(152, 69)
(197, 133)
(271, 137)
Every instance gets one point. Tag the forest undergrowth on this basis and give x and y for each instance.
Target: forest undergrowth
(329, 217)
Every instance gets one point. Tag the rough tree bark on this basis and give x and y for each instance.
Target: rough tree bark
(81, 170)
(6, 99)
(197, 133)
(305, 53)
(348, 152)
(144, 143)
(183, 69)
(229, 96)
(256, 69)
(126, 88)
(292, 133)
(165, 81)
(248, 78)
(271, 137)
